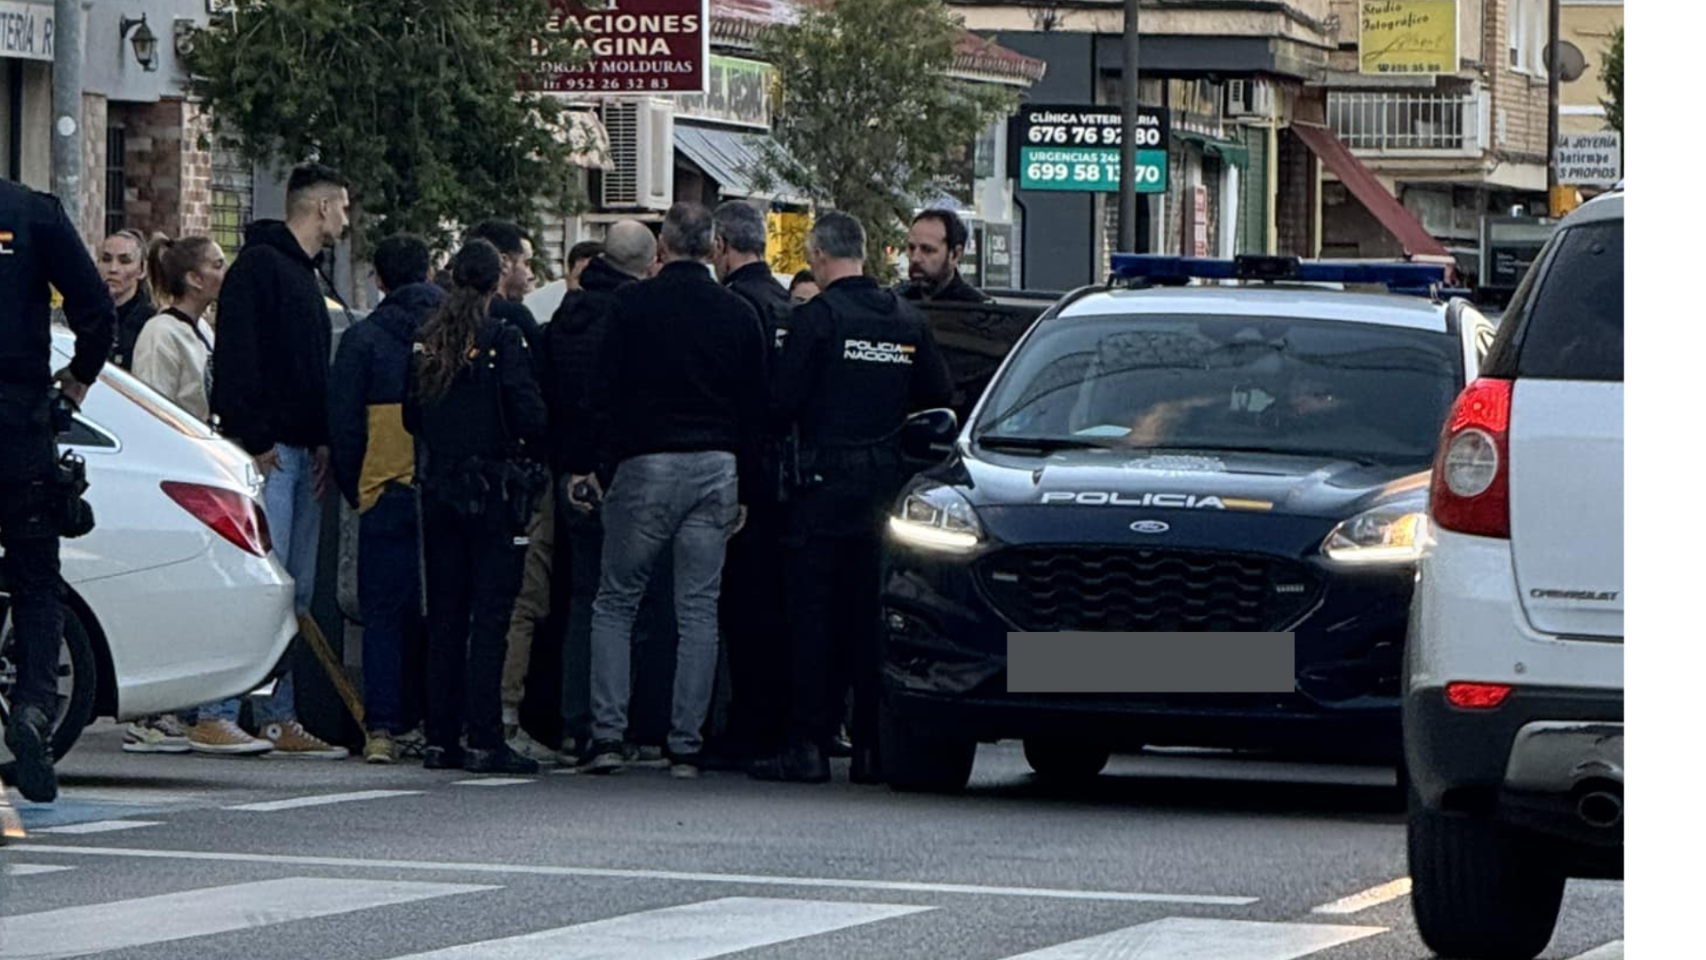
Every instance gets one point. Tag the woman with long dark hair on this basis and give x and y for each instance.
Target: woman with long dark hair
(479, 421)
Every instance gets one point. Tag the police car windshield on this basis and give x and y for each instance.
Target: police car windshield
(1373, 393)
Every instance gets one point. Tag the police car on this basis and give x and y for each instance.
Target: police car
(1202, 445)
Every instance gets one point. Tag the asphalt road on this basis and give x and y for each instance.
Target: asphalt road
(1165, 856)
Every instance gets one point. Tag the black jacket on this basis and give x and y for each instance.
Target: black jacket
(493, 412)
(757, 286)
(957, 290)
(370, 379)
(532, 334)
(682, 371)
(575, 339)
(39, 247)
(133, 315)
(859, 361)
(273, 354)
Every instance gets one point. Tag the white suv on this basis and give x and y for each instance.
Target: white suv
(1513, 686)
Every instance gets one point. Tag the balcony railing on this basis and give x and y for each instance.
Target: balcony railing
(1409, 124)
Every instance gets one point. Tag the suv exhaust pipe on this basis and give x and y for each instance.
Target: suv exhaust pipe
(1600, 808)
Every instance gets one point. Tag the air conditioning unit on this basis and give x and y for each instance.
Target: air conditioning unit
(642, 155)
(1250, 98)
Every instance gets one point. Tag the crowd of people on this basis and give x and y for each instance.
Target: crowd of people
(696, 443)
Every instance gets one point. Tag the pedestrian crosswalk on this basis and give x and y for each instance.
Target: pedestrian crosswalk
(694, 929)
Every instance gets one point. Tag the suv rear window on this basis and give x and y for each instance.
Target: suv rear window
(1569, 324)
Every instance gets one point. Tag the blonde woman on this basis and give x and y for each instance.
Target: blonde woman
(174, 355)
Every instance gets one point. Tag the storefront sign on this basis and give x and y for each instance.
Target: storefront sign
(1199, 221)
(634, 46)
(26, 30)
(1509, 246)
(1077, 148)
(1590, 159)
(739, 94)
(1408, 37)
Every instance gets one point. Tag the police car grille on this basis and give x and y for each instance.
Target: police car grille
(1061, 588)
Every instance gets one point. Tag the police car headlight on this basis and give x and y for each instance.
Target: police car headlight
(1389, 535)
(937, 518)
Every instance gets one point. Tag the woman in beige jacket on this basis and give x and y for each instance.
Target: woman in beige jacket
(174, 355)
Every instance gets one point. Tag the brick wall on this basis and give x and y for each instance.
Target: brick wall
(167, 175)
(1296, 197)
(93, 186)
(1521, 98)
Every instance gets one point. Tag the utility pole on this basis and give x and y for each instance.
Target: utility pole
(1128, 143)
(67, 147)
(1554, 46)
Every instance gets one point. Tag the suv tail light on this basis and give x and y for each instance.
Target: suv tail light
(1471, 478)
(230, 514)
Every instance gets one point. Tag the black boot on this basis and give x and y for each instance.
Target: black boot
(442, 758)
(795, 764)
(866, 768)
(29, 737)
(501, 760)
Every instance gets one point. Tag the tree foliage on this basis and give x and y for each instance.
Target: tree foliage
(867, 119)
(1611, 78)
(417, 102)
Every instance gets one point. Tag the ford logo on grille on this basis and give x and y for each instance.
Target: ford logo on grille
(1151, 526)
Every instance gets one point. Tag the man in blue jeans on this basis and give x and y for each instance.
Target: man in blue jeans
(679, 400)
(373, 462)
(271, 367)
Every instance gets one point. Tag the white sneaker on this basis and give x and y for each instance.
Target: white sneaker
(156, 735)
(532, 749)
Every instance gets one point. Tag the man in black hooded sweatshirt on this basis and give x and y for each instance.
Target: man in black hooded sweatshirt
(271, 366)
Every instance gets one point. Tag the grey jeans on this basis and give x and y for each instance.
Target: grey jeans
(687, 503)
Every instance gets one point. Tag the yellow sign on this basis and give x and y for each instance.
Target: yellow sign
(787, 236)
(1414, 37)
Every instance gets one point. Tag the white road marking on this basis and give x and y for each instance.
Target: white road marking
(1608, 951)
(32, 869)
(696, 931)
(1372, 897)
(297, 803)
(124, 924)
(904, 886)
(99, 826)
(1179, 938)
(492, 782)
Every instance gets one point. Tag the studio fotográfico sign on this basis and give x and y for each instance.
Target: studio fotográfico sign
(634, 47)
(26, 31)
(1414, 37)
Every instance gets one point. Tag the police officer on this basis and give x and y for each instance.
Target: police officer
(752, 578)
(858, 359)
(39, 247)
(475, 408)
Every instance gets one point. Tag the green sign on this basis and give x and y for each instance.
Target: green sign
(1094, 169)
(1077, 148)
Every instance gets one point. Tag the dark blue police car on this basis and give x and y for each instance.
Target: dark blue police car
(1163, 454)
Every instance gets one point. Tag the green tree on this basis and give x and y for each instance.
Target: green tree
(417, 102)
(867, 119)
(1611, 77)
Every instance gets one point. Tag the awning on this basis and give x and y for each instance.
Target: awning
(730, 157)
(1367, 188)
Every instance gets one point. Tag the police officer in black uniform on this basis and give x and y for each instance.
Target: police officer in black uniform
(479, 418)
(857, 360)
(753, 573)
(39, 247)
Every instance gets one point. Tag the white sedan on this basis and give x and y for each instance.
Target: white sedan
(176, 598)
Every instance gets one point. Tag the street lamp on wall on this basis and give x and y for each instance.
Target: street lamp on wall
(146, 45)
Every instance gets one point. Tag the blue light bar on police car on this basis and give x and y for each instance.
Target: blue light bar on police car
(1158, 268)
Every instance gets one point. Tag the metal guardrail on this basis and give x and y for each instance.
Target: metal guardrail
(1392, 122)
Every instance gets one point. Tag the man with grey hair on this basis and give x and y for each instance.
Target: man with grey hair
(859, 361)
(753, 624)
(679, 402)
